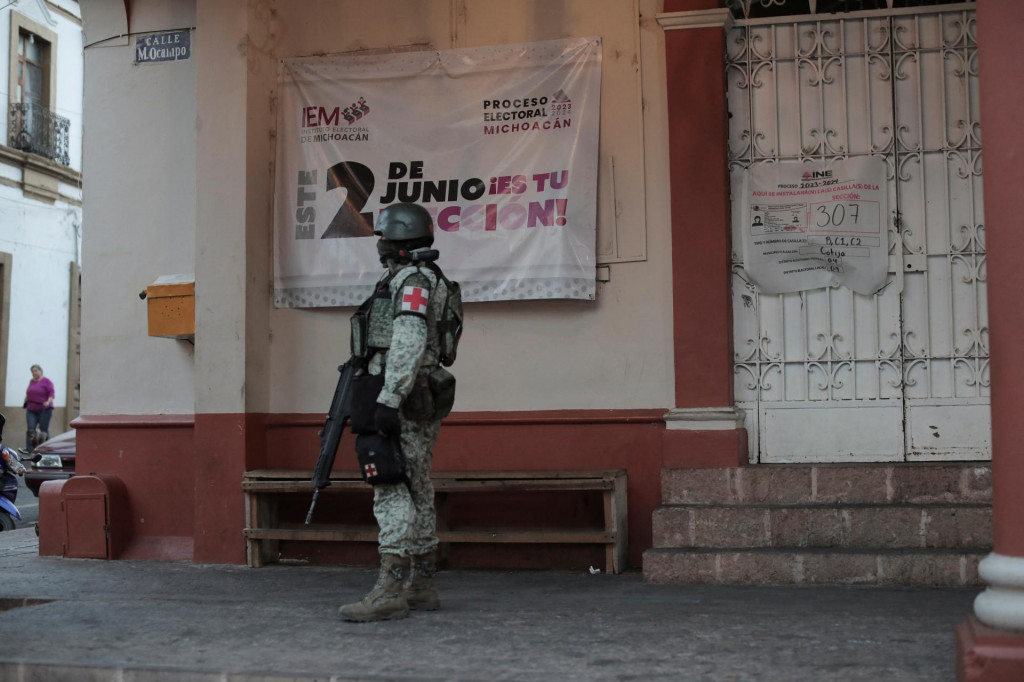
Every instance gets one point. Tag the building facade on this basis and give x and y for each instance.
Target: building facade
(679, 363)
(40, 206)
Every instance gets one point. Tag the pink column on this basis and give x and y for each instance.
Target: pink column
(1002, 101)
(704, 429)
(990, 645)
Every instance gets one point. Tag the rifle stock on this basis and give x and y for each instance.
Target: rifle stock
(330, 436)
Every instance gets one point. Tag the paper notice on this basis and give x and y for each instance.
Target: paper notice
(811, 225)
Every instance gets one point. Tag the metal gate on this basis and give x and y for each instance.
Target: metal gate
(828, 374)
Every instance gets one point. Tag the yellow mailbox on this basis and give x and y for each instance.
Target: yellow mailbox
(172, 306)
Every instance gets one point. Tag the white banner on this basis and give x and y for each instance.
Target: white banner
(498, 143)
(810, 225)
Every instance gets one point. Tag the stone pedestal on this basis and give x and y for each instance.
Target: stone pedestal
(989, 655)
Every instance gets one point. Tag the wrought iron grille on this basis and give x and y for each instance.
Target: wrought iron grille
(37, 130)
(758, 9)
(902, 86)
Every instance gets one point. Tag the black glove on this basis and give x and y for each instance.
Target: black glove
(385, 420)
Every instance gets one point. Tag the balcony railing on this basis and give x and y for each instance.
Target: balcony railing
(37, 130)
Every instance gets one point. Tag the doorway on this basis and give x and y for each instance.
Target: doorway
(828, 375)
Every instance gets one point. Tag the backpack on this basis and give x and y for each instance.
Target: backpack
(449, 327)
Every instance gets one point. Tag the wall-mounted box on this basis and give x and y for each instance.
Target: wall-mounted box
(172, 306)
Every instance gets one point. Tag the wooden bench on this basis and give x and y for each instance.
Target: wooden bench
(264, 530)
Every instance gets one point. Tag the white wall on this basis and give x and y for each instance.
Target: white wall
(70, 65)
(139, 218)
(42, 238)
(615, 352)
(42, 241)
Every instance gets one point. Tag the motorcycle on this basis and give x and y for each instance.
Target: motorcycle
(10, 468)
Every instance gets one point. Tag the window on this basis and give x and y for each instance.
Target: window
(33, 125)
(30, 94)
(33, 57)
(33, 60)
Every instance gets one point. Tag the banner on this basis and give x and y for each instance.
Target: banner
(811, 225)
(498, 143)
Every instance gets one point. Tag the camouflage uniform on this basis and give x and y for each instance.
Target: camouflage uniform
(406, 513)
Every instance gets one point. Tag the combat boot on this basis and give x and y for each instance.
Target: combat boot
(386, 601)
(420, 592)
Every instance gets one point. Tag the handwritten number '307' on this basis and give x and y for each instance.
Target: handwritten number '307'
(837, 215)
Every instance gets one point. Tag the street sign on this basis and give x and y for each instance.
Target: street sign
(167, 46)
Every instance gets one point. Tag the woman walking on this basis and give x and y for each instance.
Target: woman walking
(39, 406)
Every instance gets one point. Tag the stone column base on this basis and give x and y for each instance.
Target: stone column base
(984, 654)
(704, 419)
(704, 437)
(1002, 604)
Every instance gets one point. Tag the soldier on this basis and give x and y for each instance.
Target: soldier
(405, 407)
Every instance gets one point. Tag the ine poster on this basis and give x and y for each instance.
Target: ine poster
(810, 225)
(499, 143)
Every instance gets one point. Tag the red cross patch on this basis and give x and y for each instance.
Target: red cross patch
(371, 470)
(414, 300)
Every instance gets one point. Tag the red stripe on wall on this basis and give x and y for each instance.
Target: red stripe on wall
(186, 482)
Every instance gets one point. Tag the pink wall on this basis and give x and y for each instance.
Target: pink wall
(184, 476)
(155, 458)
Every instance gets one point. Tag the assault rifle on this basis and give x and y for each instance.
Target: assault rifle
(334, 426)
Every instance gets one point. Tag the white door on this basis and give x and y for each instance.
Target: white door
(827, 374)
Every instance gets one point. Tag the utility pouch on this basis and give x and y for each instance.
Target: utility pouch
(442, 390)
(360, 323)
(366, 389)
(419, 404)
(380, 459)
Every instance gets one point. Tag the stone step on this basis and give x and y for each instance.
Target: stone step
(886, 526)
(788, 484)
(775, 566)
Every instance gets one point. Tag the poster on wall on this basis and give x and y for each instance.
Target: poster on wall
(499, 143)
(811, 225)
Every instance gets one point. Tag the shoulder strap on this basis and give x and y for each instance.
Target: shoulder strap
(437, 271)
(408, 272)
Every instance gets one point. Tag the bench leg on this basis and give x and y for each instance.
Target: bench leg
(252, 545)
(262, 513)
(269, 549)
(610, 565)
(616, 553)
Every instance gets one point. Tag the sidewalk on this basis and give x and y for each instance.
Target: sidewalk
(154, 622)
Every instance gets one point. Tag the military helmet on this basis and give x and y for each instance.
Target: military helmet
(405, 222)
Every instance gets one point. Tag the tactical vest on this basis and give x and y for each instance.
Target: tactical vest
(373, 320)
(372, 324)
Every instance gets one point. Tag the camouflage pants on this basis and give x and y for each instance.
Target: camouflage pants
(405, 514)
